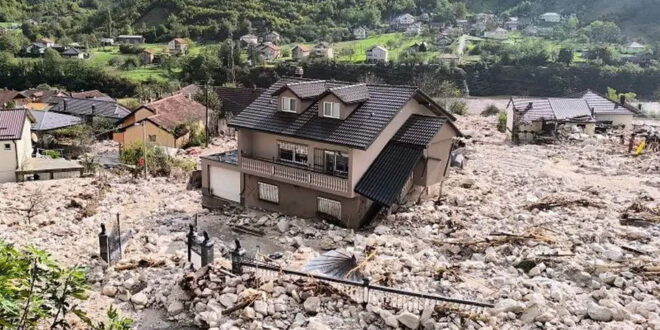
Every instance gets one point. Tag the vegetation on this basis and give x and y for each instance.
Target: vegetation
(158, 162)
(501, 122)
(490, 110)
(36, 292)
(458, 107)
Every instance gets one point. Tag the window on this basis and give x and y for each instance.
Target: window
(329, 207)
(291, 152)
(7, 146)
(331, 110)
(269, 192)
(336, 162)
(288, 104)
(152, 138)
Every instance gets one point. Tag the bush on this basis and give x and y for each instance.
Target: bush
(158, 162)
(458, 107)
(130, 49)
(490, 110)
(54, 154)
(501, 122)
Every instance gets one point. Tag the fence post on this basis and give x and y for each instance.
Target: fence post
(236, 262)
(103, 244)
(121, 253)
(190, 238)
(365, 293)
(207, 250)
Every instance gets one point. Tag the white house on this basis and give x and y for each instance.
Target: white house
(634, 48)
(512, 24)
(250, 39)
(73, 53)
(360, 33)
(273, 37)
(323, 50)
(107, 41)
(497, 34)
(15, 142)
(551, 17)
(377, 54)
(414, 29)
(403, 20)
(177, 46)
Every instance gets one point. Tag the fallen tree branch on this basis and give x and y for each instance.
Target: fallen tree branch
(552, 202)
(142, 263)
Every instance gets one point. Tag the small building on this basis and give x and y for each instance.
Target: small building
(377, 54)
(35, 49)
(414, 29)
(49, 120)
(177, 46)
(300, 52)
(634, 48)
(419, 47)
(130, 39)
(322, 50)
(249, 40)
(105, 42)
(512, 24)
(360, 33)
(497, 34)
(166, 122)
(48, 43)
(550, 17)
(15, 142)
(388, 143)
(73, 53)
(443, 40)
(146, 57)
(604, 110)
(403, 21)
(269, 51)
(462, 23)
(11, 99)
(272, 37)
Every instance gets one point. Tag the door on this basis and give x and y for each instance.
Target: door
(225, 183)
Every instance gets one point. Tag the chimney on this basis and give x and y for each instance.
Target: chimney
(93, 108)
(593, 111)
(530, 105)
(299, 71)
(622, 99)
(64, 105)
(639, 106)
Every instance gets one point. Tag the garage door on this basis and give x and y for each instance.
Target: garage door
(225, 183)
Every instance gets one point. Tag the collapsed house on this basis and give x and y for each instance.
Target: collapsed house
(532, 119)
(338, 150)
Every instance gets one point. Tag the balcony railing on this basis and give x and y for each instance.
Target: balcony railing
(297, 175)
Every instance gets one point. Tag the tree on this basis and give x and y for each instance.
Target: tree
(12, 42)
(615, 96)
(603, 31)
(565, 56)
(34, 205)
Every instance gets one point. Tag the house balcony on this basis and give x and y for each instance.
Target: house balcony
(302, 176)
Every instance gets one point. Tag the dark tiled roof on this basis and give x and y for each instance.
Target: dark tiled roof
(569, 108)
(7, 96)
(174, 110)
(235, 100)
(357, 131)
(303, 89)
(387, 175)
(11, 124)
(88, 107)
(48, 120)
(604, 106)
(419, 130)
(93, 94)
(540, 109)
(352, 93)
(71, 51)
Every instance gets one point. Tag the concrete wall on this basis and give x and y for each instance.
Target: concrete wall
(137, 116)
(133, 135)
(436, 157)
(302, 202)
(24, 145)
(8, 163)
(617, 119)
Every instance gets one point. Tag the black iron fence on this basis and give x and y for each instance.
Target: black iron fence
(361, 292)
(111, 243)
(200, 247)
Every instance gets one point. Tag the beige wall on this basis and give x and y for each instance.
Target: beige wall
(301, 105)
(302, 202)
(19, 151)
(344, 109)
(362, 159)
(617, 119)
(436, 156)
(133, 135)
(137, 116)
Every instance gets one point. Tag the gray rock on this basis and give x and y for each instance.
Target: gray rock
(599, 313)
(109, 290)
(317, 325)
(228, 299)
(312, 305)
(282, 225)
(139, 299)
(410, 320)
(537, 270)
(175, 308)
(509, 305)
(381, 230)
(261, 307)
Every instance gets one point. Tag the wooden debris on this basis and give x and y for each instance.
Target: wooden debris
(142, 263)
(247, 230)
(239, 306)
(502, 238)
(551, 202)
(189, 283)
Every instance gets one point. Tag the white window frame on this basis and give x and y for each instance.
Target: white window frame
(296, 149)
(269, 192)
(329, 207)
(333, 110)
(287, 102)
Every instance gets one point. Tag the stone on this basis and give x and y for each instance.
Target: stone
(139, 299)
(317, 325)
(249, 313)
(599, 313)
(509, 306)
(537, 270)
(282, 225)
(389, 318)
(175, 308)
(409, 320)
(228, 299)
(467, 183)
(312, 305)
(109, 290)
(381, 230)
(260, 307)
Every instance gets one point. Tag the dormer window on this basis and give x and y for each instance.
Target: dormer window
(288, 104)
(331, 110)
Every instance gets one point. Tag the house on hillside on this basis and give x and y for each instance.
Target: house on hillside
(146, 57)
(48, 43)
(177, 46)
(105, 42)
(497, 34)
(268, 51)
(360, 33)
(550, 17)
(88, 108)
(414, 29)
(272, 37)
(10, 99)
(634, 48)
(512, 24)
(16, 162)
(130, 39)
(336, 150)
(403, 21)
(73, 53)
(300, 52)
(34, 49)
(619, 113)
(249, 40)
(377, 54)
(322, 50)
(167, 122)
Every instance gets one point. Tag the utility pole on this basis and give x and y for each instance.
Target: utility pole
(144, 146)
(206, 117)
(231, 55)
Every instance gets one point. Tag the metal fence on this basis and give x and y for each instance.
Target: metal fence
(361, 292)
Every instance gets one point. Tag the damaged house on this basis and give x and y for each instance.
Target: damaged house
(338, 150)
